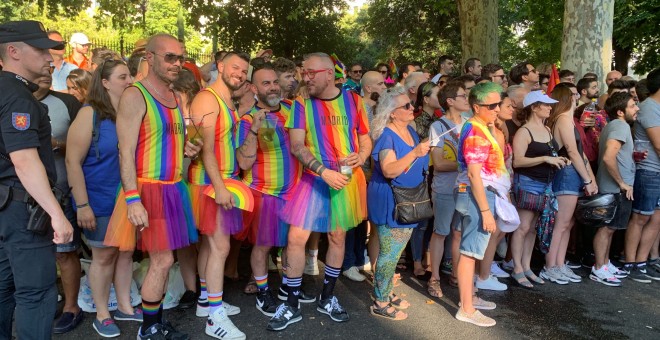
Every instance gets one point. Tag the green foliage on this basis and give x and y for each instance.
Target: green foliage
(19, 9)
(636, 29)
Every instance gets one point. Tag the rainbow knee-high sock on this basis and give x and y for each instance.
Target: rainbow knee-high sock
(215, 302)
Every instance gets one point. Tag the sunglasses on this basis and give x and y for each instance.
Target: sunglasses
(406, 106)
(311, 74)
(171, 58)
(492, 106)
(357, 71)
(553, 152)
(545, 83)
(383, 72)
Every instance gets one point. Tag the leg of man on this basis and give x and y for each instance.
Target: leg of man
(484, 265)
(417, 247)
(655, 251)
(187, 258)
(7, 289)
(633, 236)
(123, 280)
(647, 238)
(437, 248)
(455, 250)
(258, 262)
(100, 275)
(333, 259)
(152, 287)
(231, 261)
(601, 244)
(349, 247)
(69, 264)
(295, 260)
(218, 251)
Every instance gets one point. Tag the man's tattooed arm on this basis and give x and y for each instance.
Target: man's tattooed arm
(247, 152)
(305, 157)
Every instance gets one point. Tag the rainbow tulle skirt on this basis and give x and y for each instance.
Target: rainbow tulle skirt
(209, 215)
(171, 223)
(316, 207)
(263, 226)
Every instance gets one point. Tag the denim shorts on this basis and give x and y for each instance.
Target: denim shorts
(646, 192)
(474, 239)
(524, 183)
(567, 182)
(75, 241)
(95, 237)
(622, 214)
(443, 208)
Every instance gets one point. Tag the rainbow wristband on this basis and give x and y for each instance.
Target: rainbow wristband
(132, 196)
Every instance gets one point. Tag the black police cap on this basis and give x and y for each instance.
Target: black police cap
(30, 32)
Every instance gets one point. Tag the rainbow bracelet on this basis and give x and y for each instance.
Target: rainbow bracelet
(132, 196)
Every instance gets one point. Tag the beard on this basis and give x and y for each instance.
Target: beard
(227, 80)
(272, 99)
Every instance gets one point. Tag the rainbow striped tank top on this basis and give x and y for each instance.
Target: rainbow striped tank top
(225, 139)
(159, 151)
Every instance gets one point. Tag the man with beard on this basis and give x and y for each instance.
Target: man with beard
(588, 90)
(329, 136)
(220, 162)
(526, 75)
(270, 171)
(154, 199)
(286, 74)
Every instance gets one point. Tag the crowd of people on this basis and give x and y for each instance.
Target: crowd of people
(464, 168)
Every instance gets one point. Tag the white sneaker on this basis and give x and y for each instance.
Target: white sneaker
(604, 276)
(491, 283)
(202, 310)
(354, 274)
(496, 271)
(311, 265)
(553, 274)
(618, 273)
(508, 265)
(219, 326)
(569, 274)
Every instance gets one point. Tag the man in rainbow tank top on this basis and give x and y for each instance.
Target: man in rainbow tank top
(219, 157)
(271, 171)
(153, 208)
(329, 136)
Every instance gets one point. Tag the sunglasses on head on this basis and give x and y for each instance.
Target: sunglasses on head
(171, 58)
(492, 106)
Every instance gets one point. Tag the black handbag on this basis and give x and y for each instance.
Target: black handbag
(412, 205)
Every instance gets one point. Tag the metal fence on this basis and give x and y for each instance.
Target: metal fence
(125, 48)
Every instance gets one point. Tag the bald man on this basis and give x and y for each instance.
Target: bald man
(412, 83)
(329, 136)
(373, 84)
(611, 76)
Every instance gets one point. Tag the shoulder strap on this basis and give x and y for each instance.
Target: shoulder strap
(530, 133)
(445, 124)
(96, 133)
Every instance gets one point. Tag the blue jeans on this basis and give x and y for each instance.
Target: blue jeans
(646, 192)
(419, 241)
(355, 246)
(474, 239)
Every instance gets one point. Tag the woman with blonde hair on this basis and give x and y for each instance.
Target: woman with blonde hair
(77, 84)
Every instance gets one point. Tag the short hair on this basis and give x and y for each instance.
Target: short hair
(619, 84)
(584, 83)
(518, 71)
(642, 89)
(617, 102)
(186, 83)
(511, 90)
(564, 84)
(411, 82)
(241, 55)
(480, 91)
(653, 81)
(470, 63)
(489, 69)
(566, 73)
(590, 75)
(352, 65)
(444, 58)
(49, 32)
(417, 64)
(283, 65)
(379, 65)
(264, 66)
(403, 69)
(3, 50)
(449, 91)
(218, 55)
(543, 76)
(463, 79)
(134, 61)
(101, 54)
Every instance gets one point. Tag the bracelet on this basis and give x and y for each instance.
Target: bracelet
(485, 210)
(132, 196)
(253, 132)
(79, 206)
(587, 183)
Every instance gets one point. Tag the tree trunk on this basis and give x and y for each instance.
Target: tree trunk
(479, 30)
(622, 57)
(587, 41)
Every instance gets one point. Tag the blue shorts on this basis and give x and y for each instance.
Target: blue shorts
(95, 237)
(443, 212)
(528, 184)
(646, 192)
(474, 239)
(75, 241)
(567, 182)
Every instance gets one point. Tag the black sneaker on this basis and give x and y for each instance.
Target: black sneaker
(155, 332)
(284, 316)
(303, 298)
(651, 272)
(655, 263)
(332, 308)
(639, 275)
(171, 333)
(266, 303)
(188, 300)
(588, 260)
(67, 322)
(573, 264)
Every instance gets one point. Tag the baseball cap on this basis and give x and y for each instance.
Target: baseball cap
(264, 51)
(537, 97)
(30, 32)
(79, 38)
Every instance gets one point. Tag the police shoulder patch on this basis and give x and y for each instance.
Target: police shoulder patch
(20, 121)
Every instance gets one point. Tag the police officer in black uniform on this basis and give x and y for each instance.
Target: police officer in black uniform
(31, 218)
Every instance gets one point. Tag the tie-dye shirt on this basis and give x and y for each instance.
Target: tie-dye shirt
(478, 146)
(331, 126)
(275, 170)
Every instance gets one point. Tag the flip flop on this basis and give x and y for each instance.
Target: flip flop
(382, 312)
(532, 277)
(521, 280)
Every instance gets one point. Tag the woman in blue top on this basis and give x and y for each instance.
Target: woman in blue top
(92, 163)
(399, 157)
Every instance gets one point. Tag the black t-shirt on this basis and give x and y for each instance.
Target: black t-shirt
(24, 124)
(513, 128)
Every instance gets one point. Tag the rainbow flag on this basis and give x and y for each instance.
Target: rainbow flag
(393, 70)
(340, 69)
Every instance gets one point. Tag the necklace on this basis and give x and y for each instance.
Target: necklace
(155, 90)
(226, 102)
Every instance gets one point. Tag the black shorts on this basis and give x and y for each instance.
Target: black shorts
(622, 214)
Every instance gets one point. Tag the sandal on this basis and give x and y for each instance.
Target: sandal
(382, 312)
(453, 281)
(530, 275)
(434, 289)
(251, 287)
(521, 280)
(398, 303)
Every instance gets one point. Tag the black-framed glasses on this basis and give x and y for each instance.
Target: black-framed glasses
(492, 106)
(464, 96)
(171, 58)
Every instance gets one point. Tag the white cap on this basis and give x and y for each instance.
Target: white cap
(79, 38)
(537, 97)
